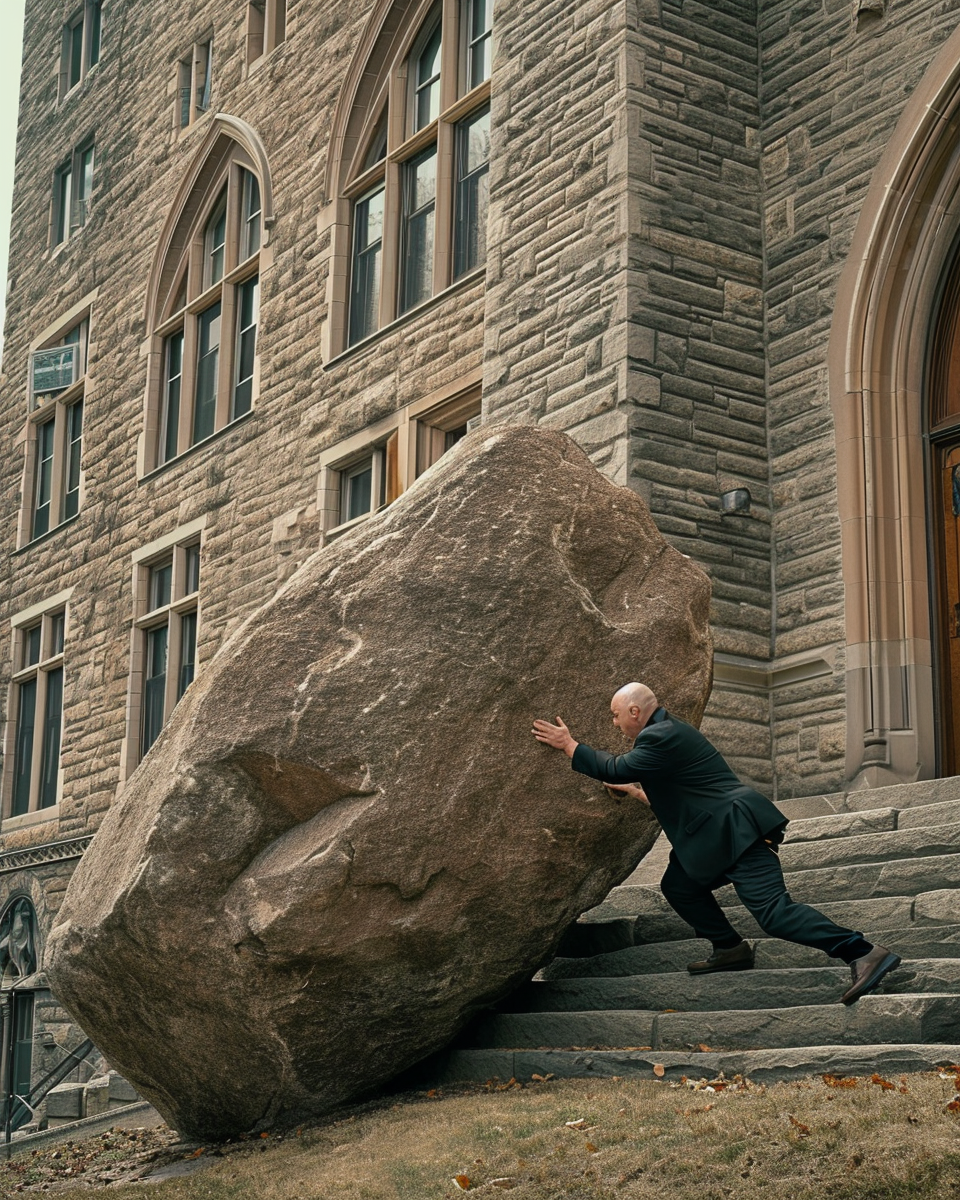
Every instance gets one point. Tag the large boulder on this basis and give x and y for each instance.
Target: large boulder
(346, 840)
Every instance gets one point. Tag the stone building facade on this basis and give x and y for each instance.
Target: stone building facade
(270, 257)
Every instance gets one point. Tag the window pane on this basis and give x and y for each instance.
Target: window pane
(192, 569)
(214, 239)
(365, 275)
(84, 187)
(52, 725)
(76, 54)
(208, 360)
(185, 76)
(57, 623)
(204, 75)
(248, 295)
(161, 582)
(251, 215)
(358, 490)
(41, 513)
(427, 96)
(173, 378)
(420, 187)
(479, 24)
(188, 652)
(71, 480)
(154, 686)
(95, 25)
(473, 193)
(32, 640)
(64, 203)
(23, 750)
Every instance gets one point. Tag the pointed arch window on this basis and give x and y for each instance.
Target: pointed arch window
(205, 340)
(418, 186)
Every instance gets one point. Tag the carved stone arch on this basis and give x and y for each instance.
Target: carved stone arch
(225, 132)
(23, 915)
(386, 37)
(886, 306)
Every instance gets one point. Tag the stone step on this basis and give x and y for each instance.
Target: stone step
(900, 795)
(838, 825)
(771, 954)
(867, 881)
(657, 922)
(760, 1066)
(943, 813)
(871, 1021)
(869, 848)
(786, 987)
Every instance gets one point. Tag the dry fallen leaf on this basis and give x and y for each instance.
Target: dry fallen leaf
(462, 1182)
(541, 1078)
(884, 1083)
(838, 1081)
(658, 1070)
(591, 1148)
(954, 1105)
(802, 1130)
(702, 1046)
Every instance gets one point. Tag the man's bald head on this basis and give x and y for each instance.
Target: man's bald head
(632, 706)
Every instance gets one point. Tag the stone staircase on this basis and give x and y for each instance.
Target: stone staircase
(886, 862)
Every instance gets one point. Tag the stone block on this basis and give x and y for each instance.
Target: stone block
(64, 1103)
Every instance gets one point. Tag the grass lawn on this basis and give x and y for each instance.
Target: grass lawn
(566, 1140)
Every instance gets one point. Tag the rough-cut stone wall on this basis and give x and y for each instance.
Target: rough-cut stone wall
(556, 321)
(833, 89)
(696, 325)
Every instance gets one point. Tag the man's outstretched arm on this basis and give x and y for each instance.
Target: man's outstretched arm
(614, 770)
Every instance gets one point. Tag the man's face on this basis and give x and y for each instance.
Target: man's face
(626, 717)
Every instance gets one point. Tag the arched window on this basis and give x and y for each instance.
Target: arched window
(205, 305)
(418, 181)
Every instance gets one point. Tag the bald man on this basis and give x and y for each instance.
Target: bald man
(720, 831)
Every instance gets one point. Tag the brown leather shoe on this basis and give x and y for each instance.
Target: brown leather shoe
(740, 958)
(867, 972)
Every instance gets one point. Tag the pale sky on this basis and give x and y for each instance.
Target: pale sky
(11, 44)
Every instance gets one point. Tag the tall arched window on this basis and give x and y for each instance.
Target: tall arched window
(206, 307)
(418, 183)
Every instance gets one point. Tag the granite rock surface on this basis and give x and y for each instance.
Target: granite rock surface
(346, 841)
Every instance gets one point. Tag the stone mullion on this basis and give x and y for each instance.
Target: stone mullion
(173, 661)
(36, 757)
(450, 54)
(58, 467)
(390, 253)
(188, 383)
(228, 348)
(443, 212)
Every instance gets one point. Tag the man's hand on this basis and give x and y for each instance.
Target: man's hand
(557, 736)
(631, 789)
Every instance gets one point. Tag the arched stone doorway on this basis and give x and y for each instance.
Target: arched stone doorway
(19, 960)
(890, 448)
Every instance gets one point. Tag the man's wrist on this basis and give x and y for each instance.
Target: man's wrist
(570, 748)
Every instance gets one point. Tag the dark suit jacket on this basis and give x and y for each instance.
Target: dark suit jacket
(707, 814)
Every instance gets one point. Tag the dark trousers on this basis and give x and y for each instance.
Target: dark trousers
(757, 878)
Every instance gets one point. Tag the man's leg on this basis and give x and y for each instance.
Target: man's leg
(757, 877)
(698, 906)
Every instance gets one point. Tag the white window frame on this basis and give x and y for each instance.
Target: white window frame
(403, 445)
(89, 20)
(266, 28)
(171, 548)
(194, 84)
(51, 658)
(56, 407)
(72, 204)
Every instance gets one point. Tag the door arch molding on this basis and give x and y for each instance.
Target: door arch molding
(885, 307)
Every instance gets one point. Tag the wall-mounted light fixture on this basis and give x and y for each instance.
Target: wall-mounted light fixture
(735, 501)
